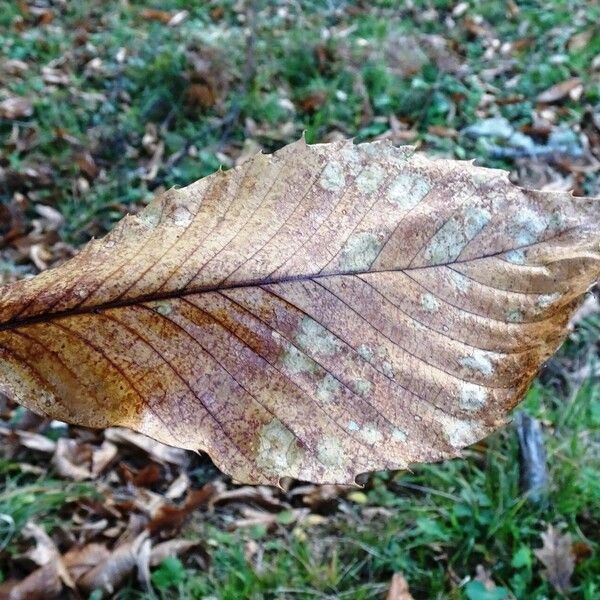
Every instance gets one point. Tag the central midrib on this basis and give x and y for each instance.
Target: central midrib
(157, 297)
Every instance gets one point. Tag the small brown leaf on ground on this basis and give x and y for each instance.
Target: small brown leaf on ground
(178, 18)
(179, 487)
(399, 588)
(580, 40)
(178, 547)
(48, 580)
(313, 102)
(16, 108)
(44, 583)
(557, 556)
(152, 14)
(109, 574)
(581, 551)
(559, 91)
(79, 561)
(200, 94)
(262, 496)
(36, 441)
(72, 459)
(160, 452)
(55, 76)
(145, 477)
(172, 517)
(441, 131)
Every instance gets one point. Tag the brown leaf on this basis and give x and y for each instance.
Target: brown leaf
(78, 461)
(48, 580)
(45, 550)
(145, 477)
(179, 487)
(201, 95)
(172, 517)
(326, 311)
(157, 450)
(580, 40)
(581, 551)
(44, 583)
(260, 495)
(16, 108)
(557, 556)
(177, 547)
(110, 573)
(36, 441)
(151, 14)
(559, 91)
(79, 561)
(314, 101)
(399, 588)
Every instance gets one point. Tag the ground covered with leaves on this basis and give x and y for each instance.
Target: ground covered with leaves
(102, 104)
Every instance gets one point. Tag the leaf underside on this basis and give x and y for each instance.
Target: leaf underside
(317, 313)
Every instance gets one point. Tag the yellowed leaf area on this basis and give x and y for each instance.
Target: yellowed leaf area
(317, 313)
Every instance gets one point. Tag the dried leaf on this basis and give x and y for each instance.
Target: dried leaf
(45, 550)
(557, 556)
(71, 459)
(559, 91)
(399, 588)
(157, 450)
(79, 561)
(259, 495)
(172, 517)
(179, 487)
(318, 313)
(177, 547)
(44, 583)
(16, 108)
(112, 571)
(580, 40)
(48, 580)
(36, 441)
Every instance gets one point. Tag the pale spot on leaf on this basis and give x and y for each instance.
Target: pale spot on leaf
(360, 251)
(277, 449)
(328, 388)
(478, 361)
(313, 336)
(163, 308)
(408, 189)
(370, 179)
(429, 302)
(362, 387)
(332, 179)
(182, 217)
(547, 300)
(527, 226)
(297, 362)
(330, 452)
(459, 282)
(371, 434)
(516, 257)
(472, 397)
(514, 315)
(459, 433)
(448, 243)
(398, 435)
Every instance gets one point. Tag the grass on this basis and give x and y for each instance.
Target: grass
(108, 109)
(440, 521)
